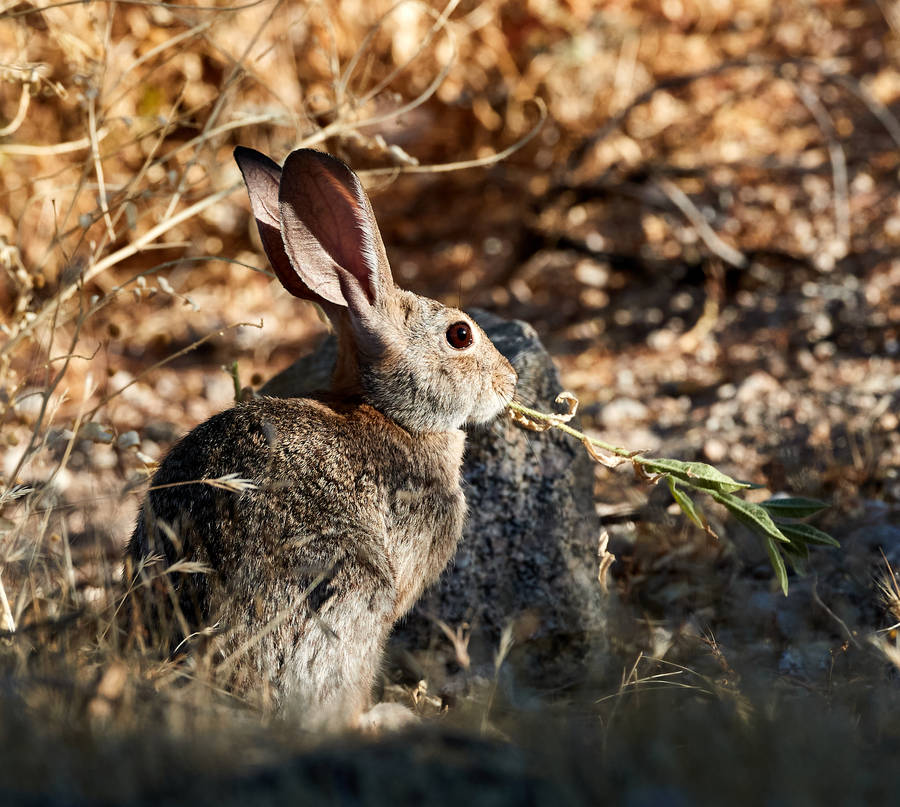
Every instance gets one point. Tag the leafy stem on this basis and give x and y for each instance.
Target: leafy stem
(775, 521)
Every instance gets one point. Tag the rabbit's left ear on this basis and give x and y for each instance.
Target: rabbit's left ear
(262, 177)
(329, 231)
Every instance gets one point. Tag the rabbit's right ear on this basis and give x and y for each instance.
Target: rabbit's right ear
(262, 177)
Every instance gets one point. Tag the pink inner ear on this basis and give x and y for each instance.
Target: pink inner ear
(326, 224)
(349, 238)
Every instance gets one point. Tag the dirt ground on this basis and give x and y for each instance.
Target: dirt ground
(701, 220)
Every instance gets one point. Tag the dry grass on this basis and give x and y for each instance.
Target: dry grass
(742, 134)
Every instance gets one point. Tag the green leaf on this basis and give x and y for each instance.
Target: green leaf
(686, 503)
(807, 534)
(797, 555)
(753, 515)
(696, 474)
(777, 564)
(794, 507)
(798, 550)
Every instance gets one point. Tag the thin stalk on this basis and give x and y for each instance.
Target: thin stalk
(557, 422)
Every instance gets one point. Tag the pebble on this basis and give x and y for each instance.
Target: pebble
(715, 450)
(129, 439)
(95, 432)
(755, 386)
(28, 404)
(623, 410)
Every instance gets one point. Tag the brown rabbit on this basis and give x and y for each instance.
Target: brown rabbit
(357, 505)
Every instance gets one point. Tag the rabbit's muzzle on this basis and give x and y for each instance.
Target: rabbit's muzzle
(505, 381)
(491, 402)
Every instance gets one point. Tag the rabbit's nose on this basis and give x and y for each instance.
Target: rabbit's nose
(508, 379)
(512, 375)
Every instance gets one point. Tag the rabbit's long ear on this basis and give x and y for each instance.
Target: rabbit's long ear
(262, 177)
(329, 231)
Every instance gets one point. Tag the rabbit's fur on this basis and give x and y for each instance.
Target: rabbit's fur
(358, 505)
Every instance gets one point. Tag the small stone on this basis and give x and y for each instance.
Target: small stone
(162, 431)
(104, 460)
(591, 273)
(623, 410)
(96, 432)
(129, 439)
(756, 386)
(715, 450)
(59, 438)
(661, 339)
(28, 404)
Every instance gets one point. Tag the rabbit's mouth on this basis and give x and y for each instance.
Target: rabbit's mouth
(494, 400)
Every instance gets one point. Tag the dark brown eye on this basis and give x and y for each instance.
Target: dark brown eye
(459, 335)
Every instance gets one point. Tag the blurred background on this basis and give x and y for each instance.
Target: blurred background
(694, 202)
(695, 207)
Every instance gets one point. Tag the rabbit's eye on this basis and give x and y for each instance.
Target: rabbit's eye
(459, 335)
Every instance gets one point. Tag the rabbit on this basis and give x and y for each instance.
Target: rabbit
(357, 504)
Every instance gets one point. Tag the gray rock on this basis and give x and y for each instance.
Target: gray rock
(874, 537)
(808, 661)
(529, 552)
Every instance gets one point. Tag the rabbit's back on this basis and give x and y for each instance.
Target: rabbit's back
(291, 454)
(350, 517)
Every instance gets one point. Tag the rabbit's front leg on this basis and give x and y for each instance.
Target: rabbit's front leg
(387, 717)
(347, 616)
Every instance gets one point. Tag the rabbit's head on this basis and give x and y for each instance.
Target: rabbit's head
(424, 365)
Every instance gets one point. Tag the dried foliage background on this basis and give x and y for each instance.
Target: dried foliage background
(704, 231)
